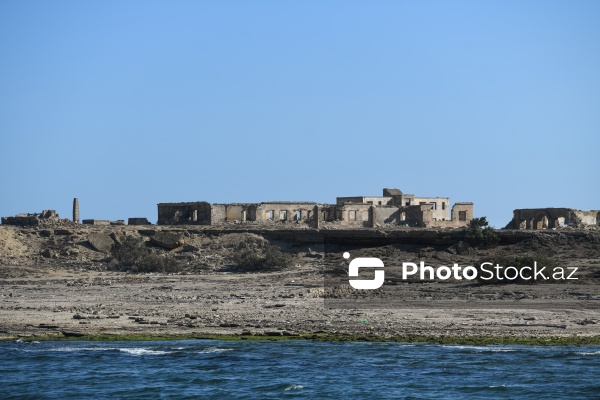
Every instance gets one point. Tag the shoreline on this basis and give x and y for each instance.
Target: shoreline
(332, 338)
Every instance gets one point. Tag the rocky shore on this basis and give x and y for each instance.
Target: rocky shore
(54, 283)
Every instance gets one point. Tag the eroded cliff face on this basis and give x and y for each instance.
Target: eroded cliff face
(210, 248)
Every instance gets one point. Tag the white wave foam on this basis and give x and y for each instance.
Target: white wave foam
(209, 350)
(480, 348)
(142, 351)
(588, 353)
(80, 349)
(294, 387)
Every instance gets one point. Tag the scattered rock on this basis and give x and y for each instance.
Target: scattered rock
(586, 322)
(228, 325)
(47, 326)
(49, 253)
(118, 236)
(463, 248)
(72, 334)
(274, 333)
(168, 240)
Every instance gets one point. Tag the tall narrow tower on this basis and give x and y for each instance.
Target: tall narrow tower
(76, 210)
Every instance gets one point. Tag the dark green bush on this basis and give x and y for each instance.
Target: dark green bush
(252, 257)
(132, 255)
(480, 234)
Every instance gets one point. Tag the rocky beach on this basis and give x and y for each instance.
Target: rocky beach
(63, 282)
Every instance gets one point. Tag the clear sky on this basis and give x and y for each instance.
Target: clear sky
(125, 104)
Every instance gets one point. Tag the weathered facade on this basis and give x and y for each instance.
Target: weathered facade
(550, 218)
(31, 219)
(138, 221)
(203, 213)
(393, 208)
(193, 213)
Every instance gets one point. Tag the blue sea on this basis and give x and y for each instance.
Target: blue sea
(208, 369)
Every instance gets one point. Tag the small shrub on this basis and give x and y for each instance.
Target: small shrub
(480, 234)
(265, 258)
(132, 255)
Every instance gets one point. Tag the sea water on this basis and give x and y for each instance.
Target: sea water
(209, 369)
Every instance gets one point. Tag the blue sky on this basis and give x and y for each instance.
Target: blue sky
(125, 104)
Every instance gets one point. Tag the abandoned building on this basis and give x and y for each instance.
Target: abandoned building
(392, 208)
(550, 218)
(35, 219)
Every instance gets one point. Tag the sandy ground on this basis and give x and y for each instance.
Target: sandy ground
(42, 300)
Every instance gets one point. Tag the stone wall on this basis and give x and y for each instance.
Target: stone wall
(441, 207)
(386, 215)
(102, 222)
(138, 221)
(284, 212)
(550, 218)
(374, 200)
(351, 214)
(34, 219)
(192, 213)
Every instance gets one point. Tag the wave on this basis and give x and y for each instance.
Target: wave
(294, 387)
(588, 353)
(481, 348)
(142, 352)
(210, 350)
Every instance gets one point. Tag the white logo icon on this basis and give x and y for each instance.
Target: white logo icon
(365, 262)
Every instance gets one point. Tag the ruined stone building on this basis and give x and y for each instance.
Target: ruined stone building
(392, 208)
(35, 219)
(550, 218)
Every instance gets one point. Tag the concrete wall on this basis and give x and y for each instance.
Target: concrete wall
(284, 212)
(375, 200)
(21, 221)
(31, 219)
(359, 211)
(386, 215)
(138, 221)
(353, 214)
(102, 222)
(405, 200)
(587, 217)
(218, 214)
(441, 206)
(193, 213)
(417, 215)
(235, 212)
(549, 218)
(462, 214)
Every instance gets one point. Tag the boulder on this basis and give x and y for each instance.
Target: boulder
(463, 248)
(100, 242)
(48, 253)
(118, 236)
(168, 240)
